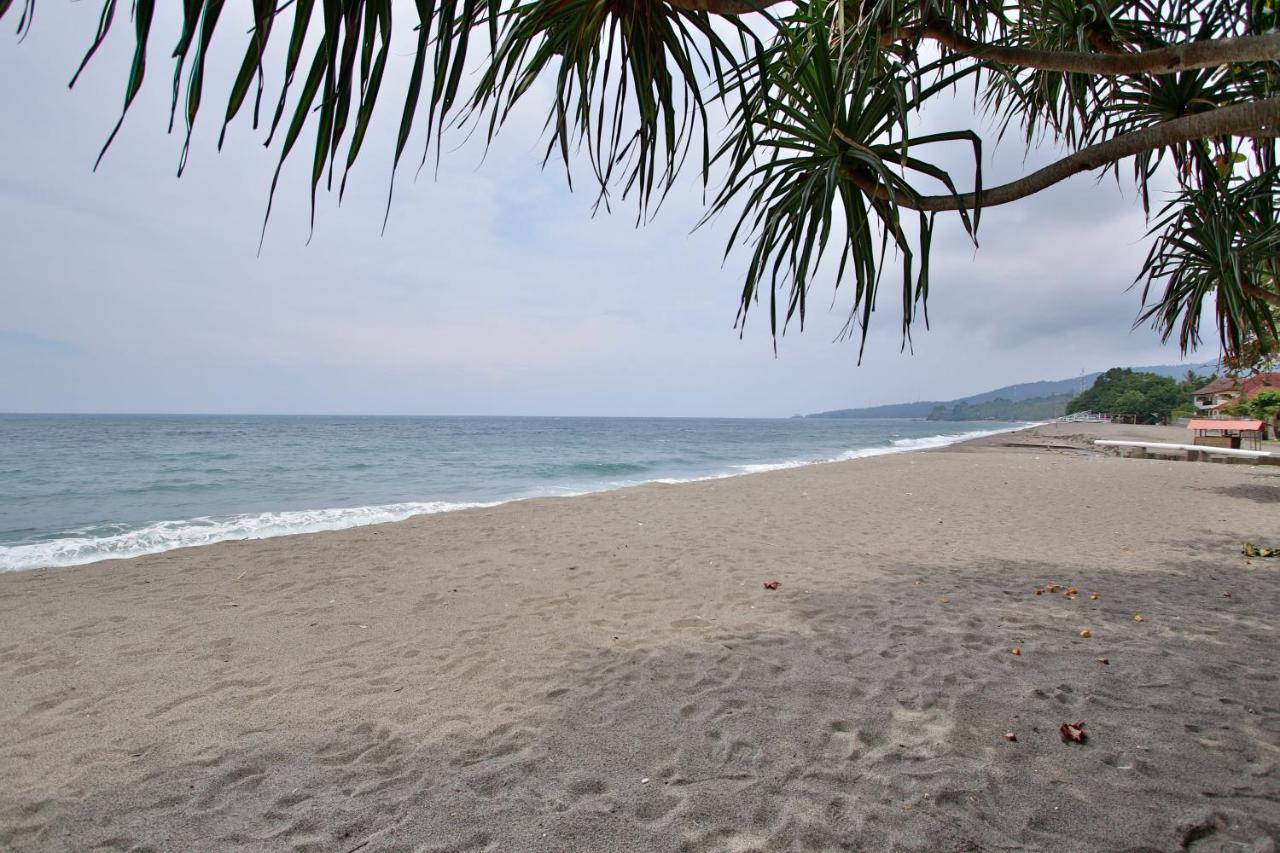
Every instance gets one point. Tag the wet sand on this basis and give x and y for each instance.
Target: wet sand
(609, 672)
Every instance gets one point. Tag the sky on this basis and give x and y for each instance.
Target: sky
(493, 291)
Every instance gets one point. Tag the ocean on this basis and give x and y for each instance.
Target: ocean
(80, 488)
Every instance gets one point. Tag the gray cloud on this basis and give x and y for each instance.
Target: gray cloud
(492, 291)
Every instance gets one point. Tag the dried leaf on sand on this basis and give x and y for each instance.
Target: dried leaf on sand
(1073, 732)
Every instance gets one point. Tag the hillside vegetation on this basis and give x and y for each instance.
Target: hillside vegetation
(1146, 396)
(1000, 409)
(1039, 395)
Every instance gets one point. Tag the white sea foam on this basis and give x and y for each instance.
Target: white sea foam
(901, 445)
(166, 535)
(162, 536)
(929, 441)
(762, 467)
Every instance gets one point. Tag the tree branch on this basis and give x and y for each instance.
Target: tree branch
(1259, 293)
(1255, 119)
(1210, 53)
(728, 8)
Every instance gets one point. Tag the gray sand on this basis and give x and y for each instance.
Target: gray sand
(609, 673)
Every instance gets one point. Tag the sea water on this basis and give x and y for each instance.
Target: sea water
(79, 488)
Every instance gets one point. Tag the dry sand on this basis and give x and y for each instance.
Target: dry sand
(609, 673)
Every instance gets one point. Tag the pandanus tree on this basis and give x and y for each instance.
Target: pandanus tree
(806, 115)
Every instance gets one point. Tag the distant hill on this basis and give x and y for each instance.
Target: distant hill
(893, 410)
(1001, 409)
(1045, 393)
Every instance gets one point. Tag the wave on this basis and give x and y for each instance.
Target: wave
(80, 547)
(162, 536)
(926, 442)
(901, 445)
(556, 471)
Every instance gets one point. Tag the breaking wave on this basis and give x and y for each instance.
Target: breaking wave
(86, 545)
(161, 536)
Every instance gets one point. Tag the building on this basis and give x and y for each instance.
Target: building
(1224, 391)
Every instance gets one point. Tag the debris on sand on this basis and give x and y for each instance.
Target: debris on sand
(1073, 732)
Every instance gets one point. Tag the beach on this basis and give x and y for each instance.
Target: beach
(609, 672)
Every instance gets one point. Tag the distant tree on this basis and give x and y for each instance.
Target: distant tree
(1192, 381)
(1131, 401)
(829, 162)
(1265, 406)
(1121, 391)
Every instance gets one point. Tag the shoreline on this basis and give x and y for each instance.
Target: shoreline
(170, 535)
(610, 673)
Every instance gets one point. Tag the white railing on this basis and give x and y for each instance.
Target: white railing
(1085, 418)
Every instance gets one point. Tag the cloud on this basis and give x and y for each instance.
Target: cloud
(13, 343)
(493, 289)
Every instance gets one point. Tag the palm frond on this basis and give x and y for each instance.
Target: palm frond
(818, 154)
(821, 170)
(1222, 243)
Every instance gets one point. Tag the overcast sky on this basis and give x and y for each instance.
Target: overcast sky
(493, 290)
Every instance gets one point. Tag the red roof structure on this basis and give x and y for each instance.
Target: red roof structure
(1217, 386)
(1219, 432)
(1225, 425)
(1260, 382)
(1247, 387)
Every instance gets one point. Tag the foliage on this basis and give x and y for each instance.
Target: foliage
(1192, 381)
(1237, 409)
(1131, 400)
(1257, 354)
(1217, 240)
(1121, 391)
(824, 167)
(1000, 409)
(1265, 405)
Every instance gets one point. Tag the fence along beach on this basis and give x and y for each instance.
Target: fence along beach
(610, 672)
